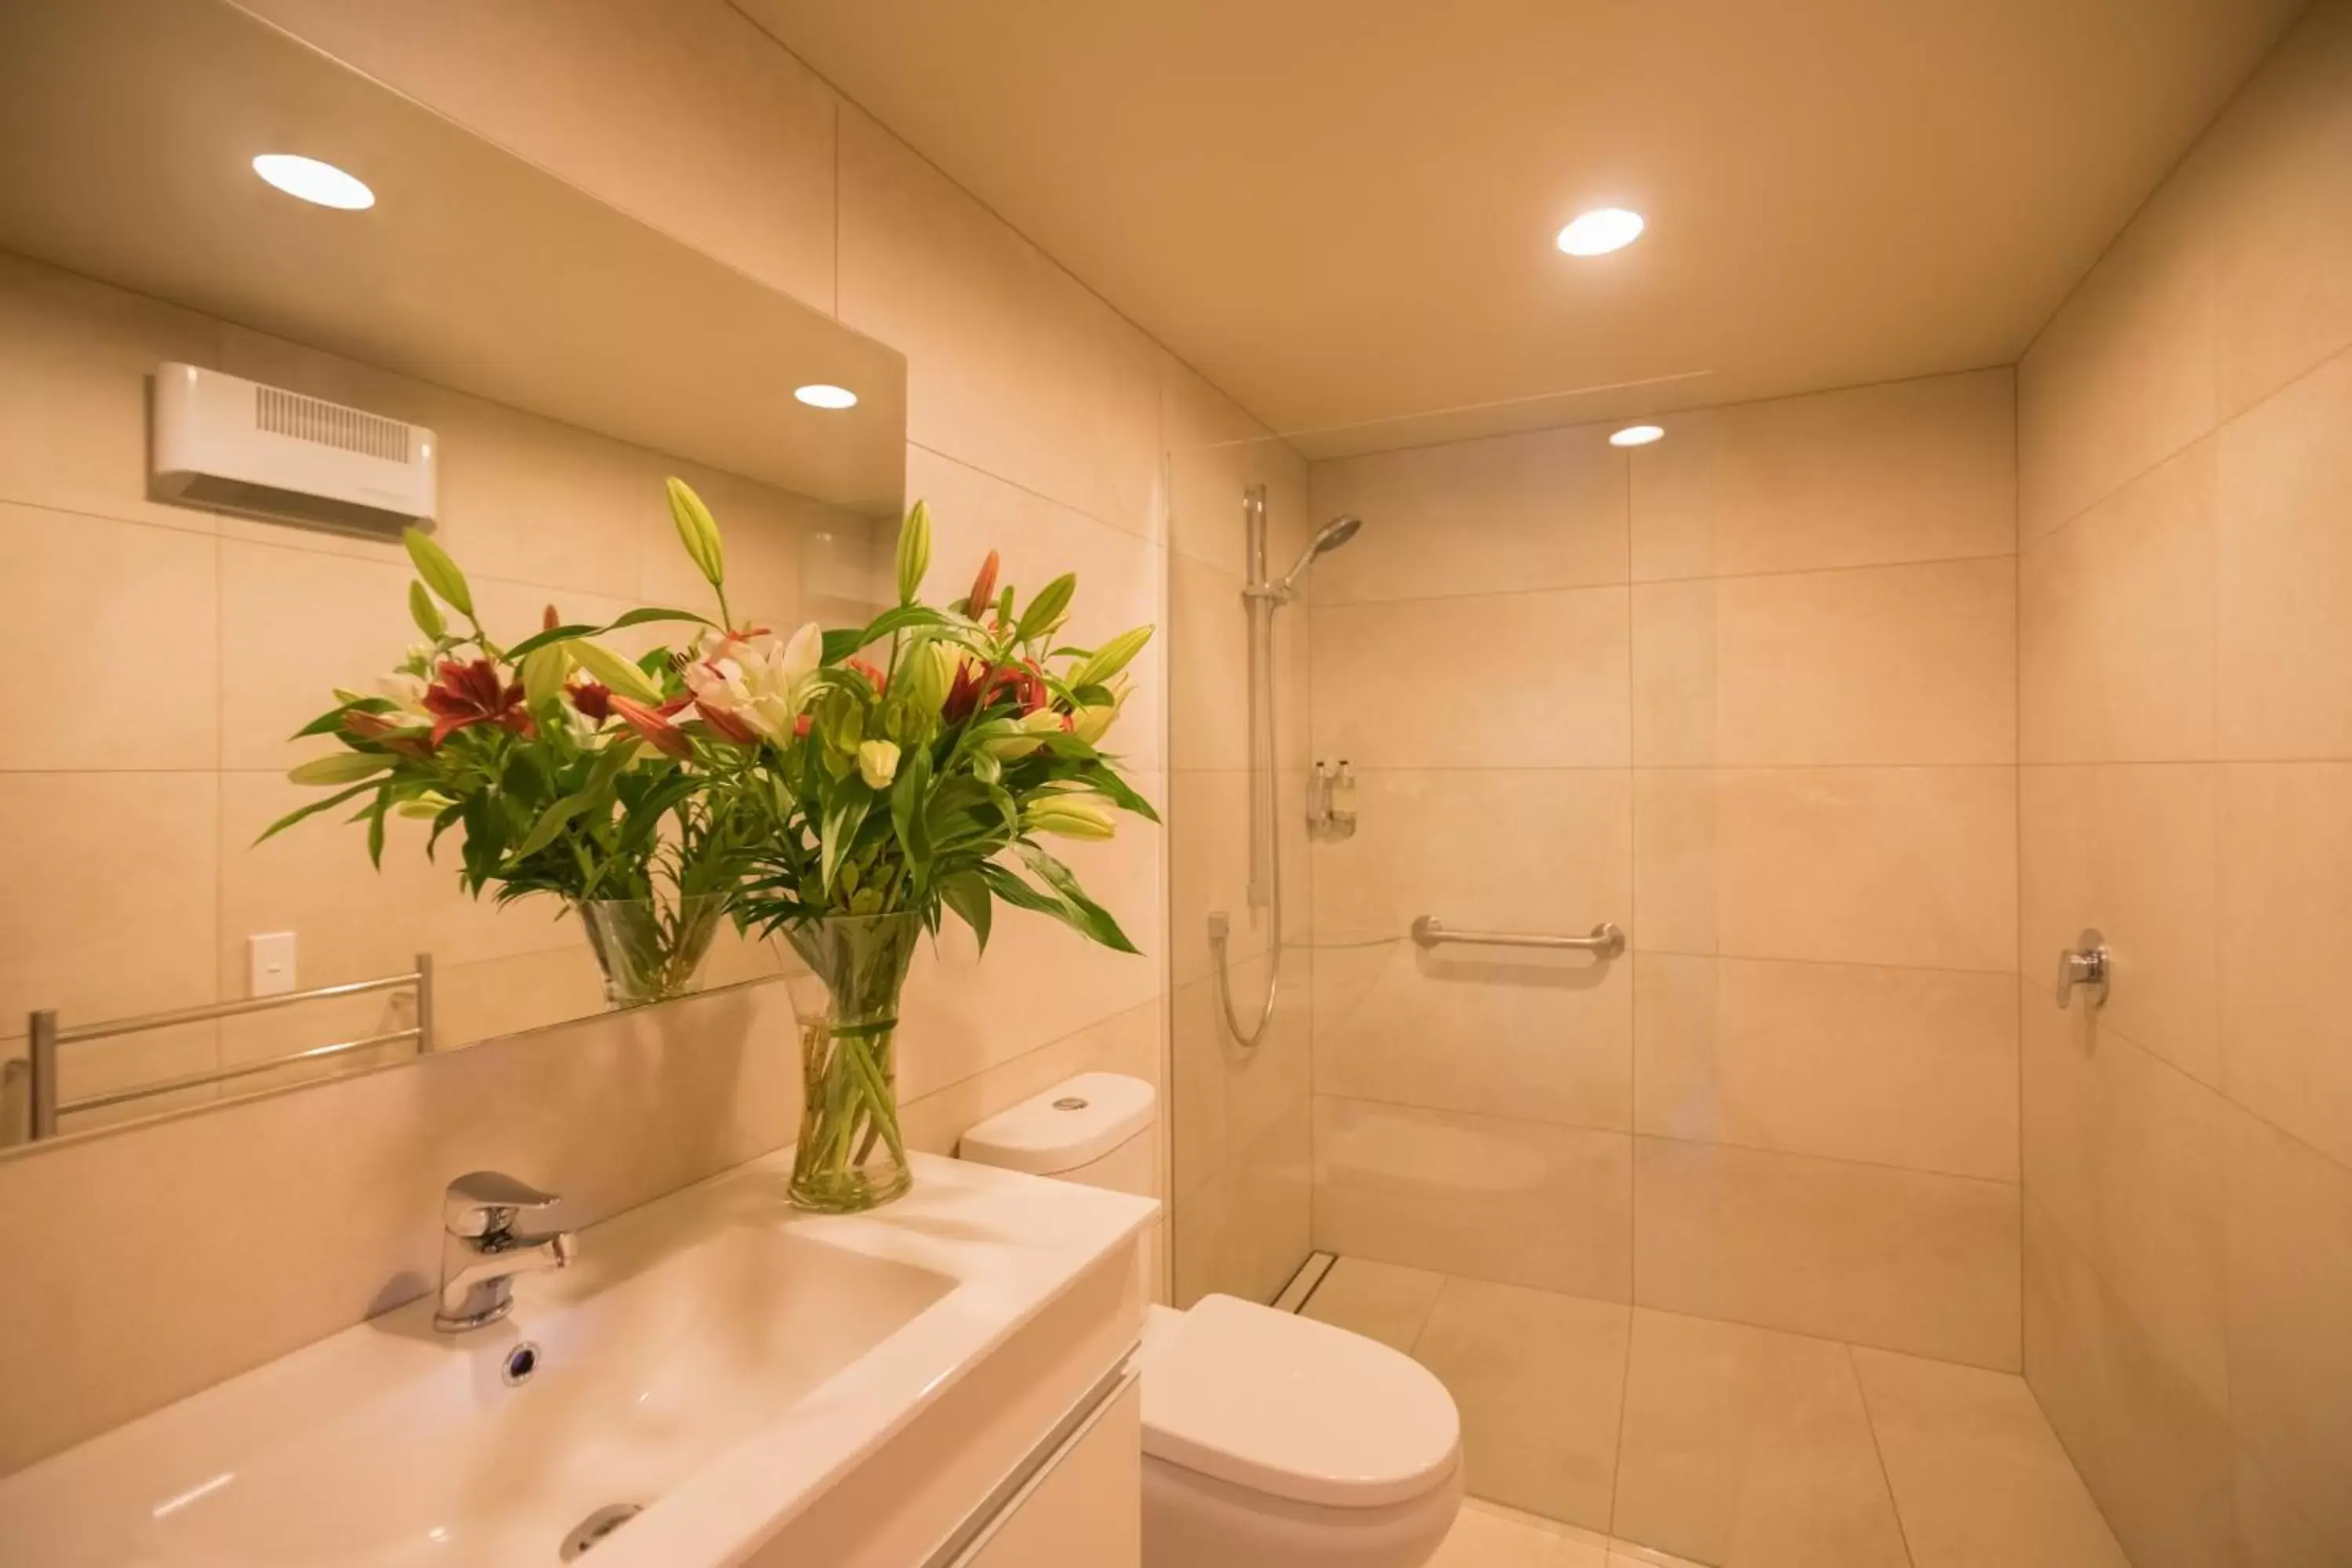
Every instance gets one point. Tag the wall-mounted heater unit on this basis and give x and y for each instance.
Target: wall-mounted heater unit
(233, 445)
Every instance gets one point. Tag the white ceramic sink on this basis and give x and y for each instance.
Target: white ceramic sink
(713, 1358)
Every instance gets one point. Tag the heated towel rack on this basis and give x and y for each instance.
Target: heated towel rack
(47, 1035)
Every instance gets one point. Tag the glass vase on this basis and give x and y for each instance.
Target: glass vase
(850, 1156)
(650, 948)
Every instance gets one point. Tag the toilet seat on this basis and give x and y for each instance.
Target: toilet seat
(1288, 1408)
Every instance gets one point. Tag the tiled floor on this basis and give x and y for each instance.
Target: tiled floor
(1604, 1436)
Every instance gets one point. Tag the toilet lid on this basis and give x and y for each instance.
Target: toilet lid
(1295, 1408)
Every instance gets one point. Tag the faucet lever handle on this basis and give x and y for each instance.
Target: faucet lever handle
(485, 1203)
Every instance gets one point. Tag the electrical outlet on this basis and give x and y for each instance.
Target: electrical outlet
(270, 963)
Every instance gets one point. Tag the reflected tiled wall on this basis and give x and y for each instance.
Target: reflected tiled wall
(2186, 442)
(1751, 693)
(1036, 425)
(1240, 1161)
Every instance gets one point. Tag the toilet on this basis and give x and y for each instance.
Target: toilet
(1269, 1440)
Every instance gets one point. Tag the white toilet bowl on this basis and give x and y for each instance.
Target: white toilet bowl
(1269, 1440)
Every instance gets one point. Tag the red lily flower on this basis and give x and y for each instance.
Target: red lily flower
(880, 681)
(469, 694)
(654, 723)
(404, 738)
(983, 588)
(593, 700)
(727, 726)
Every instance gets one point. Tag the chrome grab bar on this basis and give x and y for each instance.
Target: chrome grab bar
(45, 1035)
(1607, 939)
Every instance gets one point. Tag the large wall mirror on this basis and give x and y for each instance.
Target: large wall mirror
(565, 358)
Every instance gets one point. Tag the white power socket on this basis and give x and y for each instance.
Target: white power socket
(270, 963)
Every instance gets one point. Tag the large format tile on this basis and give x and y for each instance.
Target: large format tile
(2115, 621)
(1896, 1067)
(126, 617)
(1979, 1479)
(1750, 1449)
(1210, 716)
(1246, 1231)
(1012, 365)
(1216, 452)
(1522, 1202)
(2283, 297)
(1895, 664)
(2290, 1246)
(2126, 1154)
(112, 899)
(1209, 820)
(2284, 921)
(1383, 1301)
(1537, 1377)
(2122, 377)
(2284, 627)
(1387, 692)
(1907, 470)
(2129, 850)
(1545, 510)
(1225, 1095)
(1488, 1535)
(2153, 1452)
(1907, 866)
(1901, 1259)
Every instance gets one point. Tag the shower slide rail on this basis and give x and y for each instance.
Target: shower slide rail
(1607, 939)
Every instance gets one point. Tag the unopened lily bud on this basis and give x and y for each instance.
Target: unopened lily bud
(1066, 816)
(877, 763)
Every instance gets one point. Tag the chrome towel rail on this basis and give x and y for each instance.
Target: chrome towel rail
(1607, 939)
(46, 1035)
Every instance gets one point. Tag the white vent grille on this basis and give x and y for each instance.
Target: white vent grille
(329, 424)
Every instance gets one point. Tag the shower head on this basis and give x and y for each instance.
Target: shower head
(1327, 538)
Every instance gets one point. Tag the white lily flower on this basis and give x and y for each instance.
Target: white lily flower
(878, 762)
(763, 683)
(406, 693)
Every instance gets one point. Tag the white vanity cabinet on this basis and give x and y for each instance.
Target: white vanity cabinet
(1085, 1508)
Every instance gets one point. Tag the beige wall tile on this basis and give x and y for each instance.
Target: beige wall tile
(1899, 664)
(1011, 364)
(2290, 1250)
(1979, 1478)
(1518, 1202)
(1896, 1067)
(1901, 1259)
(73, 407)
(2130, 851)
(1749, 1448)
(2125, 1154)
(1245, 1232)
(2286, 919)
(1381, 1301)
(1677, 673)
(1892, 865)
(2152, 1451)
(294, 624)
(2270, 1531)
(1677, 848)
(2285, 578)
(1208, 671)
(2283, 296)
(1124, 1043)
(2117, 641)
(1227, 1098)
(1554, 694)
(110, 911)
(1907, 471)
(1208, 835)
(126, 612)
(727, 144)
(1536, 1378)
(1215, 451)
(2122, 377)
(1545, 510)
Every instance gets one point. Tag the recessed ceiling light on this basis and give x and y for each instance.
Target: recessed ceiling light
(823, 395)
(307, 179)
(1601, 231)
(1637, 435)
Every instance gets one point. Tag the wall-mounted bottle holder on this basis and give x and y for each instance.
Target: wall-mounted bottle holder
(1331, 800)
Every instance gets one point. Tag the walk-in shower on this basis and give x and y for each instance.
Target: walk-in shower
(1264, 596)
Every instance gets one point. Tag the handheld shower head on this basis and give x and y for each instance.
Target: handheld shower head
(1327, 538)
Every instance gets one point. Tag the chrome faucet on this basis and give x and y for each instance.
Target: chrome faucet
(480, 1253)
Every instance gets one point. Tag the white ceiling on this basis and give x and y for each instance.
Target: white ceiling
(1342, 211)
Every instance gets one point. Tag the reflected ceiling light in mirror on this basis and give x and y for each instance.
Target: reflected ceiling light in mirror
(307, 179)
(1601, 231)
(823, 395)
(1637, 435)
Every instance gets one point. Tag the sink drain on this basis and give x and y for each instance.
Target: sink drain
(592, 1530)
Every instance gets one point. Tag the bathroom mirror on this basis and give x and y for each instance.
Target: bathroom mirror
(566, 359)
